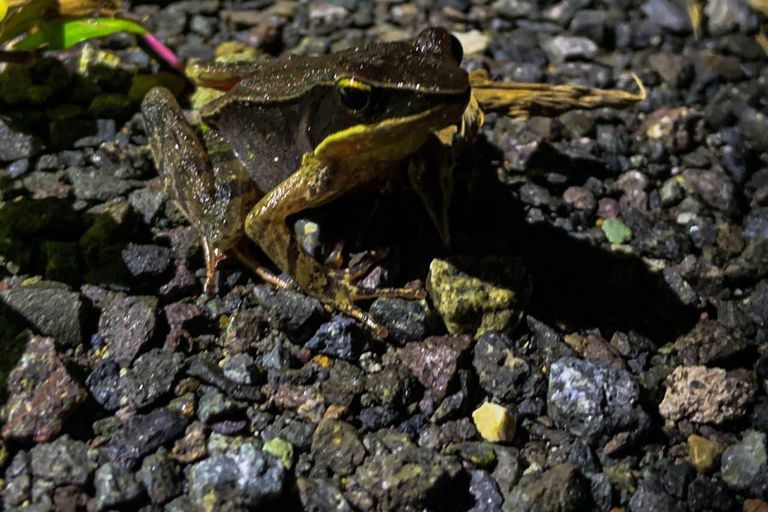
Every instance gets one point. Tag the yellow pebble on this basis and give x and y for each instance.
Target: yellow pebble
(703, 452)
(495, 423)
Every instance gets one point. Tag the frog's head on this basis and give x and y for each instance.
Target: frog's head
(389, 97)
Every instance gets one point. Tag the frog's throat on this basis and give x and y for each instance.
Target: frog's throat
(388, 140)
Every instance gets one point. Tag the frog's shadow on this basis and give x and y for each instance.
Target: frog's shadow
(576, 285)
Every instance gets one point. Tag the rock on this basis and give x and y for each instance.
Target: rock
(341, 338)
(501, 373)
(715, 188)
(744, 467)
(321, 495)
(710, 341)
(151, 376)
(565, 48)
(667, 14)
(126, 325)
(705, 494)
(213, 407)
(435, 361)
(147, 261)
(91, 184)
(43, 394)
(485, 492)
(703, 452)
(757, 305)
(418, 477)
(244, 475)
(651, 496)
(281, 449)
(595, 401)
(561, 489)
(161, 477)
(212, 374)
(724, 16)
(50, 308)
(478, 295)
(81, 133)
(675, 70)
(473, 41)
(63, 461)
(297, 315)
(405, 320)
(15, 144)
(344, 384)
(706, 395)
(335, 445)
(142, 435)
(580, 198)
(495, 423)
(104, 384)
(116, 487)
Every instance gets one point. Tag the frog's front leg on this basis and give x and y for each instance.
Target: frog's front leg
(313, 185)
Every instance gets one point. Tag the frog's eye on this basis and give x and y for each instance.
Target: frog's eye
(456, 49)
(355, 95)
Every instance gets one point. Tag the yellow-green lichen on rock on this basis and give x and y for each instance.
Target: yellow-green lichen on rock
(478, 295)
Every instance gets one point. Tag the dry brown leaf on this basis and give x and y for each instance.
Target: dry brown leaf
(762, 41)
(759, 5)
(522, 100)
(694, 13)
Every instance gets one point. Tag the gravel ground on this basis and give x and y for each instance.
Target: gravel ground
(595, 340)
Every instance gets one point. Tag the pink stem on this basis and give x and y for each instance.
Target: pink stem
(163, 52)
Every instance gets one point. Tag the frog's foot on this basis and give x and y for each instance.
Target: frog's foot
(260, 270)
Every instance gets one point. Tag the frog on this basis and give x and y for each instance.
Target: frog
(298, 132)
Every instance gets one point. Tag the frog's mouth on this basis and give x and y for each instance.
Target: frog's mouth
(391, 139)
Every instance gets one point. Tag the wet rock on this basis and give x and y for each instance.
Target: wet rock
(345, 383)
(580, 198)
(294, 313)
(126, 325)
(161, 477)
(495, 423)
(561, 489)
(651, 496)
(478, 295)
(725, 16)
(744, 467)
(710, 341)
(705, 494)
(116, 486)
(147, 261)
(96, 185)
(151, 376)
(15, 144)
(715, 188)
(435, 361)
(43, 394)
(667, 14)
(335, 445)
(103, 383)
(501, 373)
(50, 308)
(757, 305)
(212, 374)
(564, 48)
(485, 492)
(392, 386)
(412, 476)
(703, 452)
(707, 395)
(143, 434)
(404, 319)
(675, 70)
(321, 495)
(595, 400)
(214, 406)
(63, 461)
(341, 338)
(244, 475)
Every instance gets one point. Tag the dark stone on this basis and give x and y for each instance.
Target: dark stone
(147, 261)
(706, 495)
(335, 445)
(63, 461)
(50, 308)
(92, 184)
(126, 325)
(151, 376)
(116, 487)
(757, 307)
(435, 361)
(42, 394)
(485, 492)
(668, 14)
(293, 313)
(344, 384)
(341, 338)
(744, 466)
(245, 474)
(15, 144)
(404, 319)
(212, 374)
(142, 435)
(321, 496)
(161, 476)
(561, 489)
(652, 497)
(594, 400)
(709, 342)
(501, 373)
(103, 383)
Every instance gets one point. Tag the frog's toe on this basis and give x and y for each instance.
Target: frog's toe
(389, 293)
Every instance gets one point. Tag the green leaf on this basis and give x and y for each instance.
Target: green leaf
(3, 9)
(616, 231)
(62, 34)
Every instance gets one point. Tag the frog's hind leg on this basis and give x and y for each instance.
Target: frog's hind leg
(312, 185)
